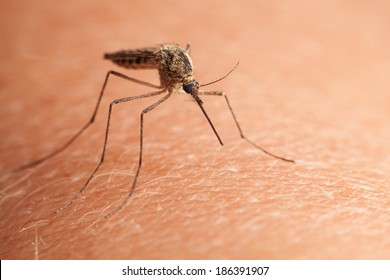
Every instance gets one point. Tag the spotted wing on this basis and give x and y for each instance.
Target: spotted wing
(134, 59)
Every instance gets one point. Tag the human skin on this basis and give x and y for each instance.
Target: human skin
(307, 88)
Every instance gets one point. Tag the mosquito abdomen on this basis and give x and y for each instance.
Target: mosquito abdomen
(133, 59)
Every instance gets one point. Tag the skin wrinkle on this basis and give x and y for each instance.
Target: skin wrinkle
(36, 244)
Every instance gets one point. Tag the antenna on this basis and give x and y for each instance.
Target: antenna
(222, 77)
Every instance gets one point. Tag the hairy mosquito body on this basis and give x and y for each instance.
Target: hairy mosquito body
(175, 68)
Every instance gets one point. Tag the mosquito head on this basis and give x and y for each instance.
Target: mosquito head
(191, 87)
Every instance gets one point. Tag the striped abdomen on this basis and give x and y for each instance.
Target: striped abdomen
(134, 59)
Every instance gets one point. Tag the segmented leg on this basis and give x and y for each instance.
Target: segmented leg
(117, 101)
(74, 137)
(146, 110)
(221, 93)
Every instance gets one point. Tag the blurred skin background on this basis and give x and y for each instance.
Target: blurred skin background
(312, 85)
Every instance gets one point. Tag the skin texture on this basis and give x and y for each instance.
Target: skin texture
(312, 85)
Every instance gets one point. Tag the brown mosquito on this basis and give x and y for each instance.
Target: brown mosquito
(175, 69)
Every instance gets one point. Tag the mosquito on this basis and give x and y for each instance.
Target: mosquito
(175, 68)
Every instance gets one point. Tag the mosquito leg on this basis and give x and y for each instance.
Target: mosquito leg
(221, 93)
(72, 139)
(121, 100)
(188, 48)
(146, 110)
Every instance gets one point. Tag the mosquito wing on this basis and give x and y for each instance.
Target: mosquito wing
(134, 59)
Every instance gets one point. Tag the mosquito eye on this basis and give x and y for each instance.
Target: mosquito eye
(188, 87)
